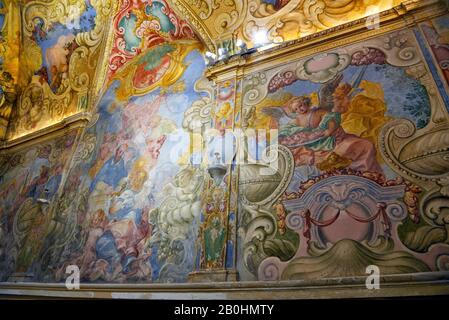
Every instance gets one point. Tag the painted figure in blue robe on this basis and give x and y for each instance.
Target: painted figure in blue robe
(51, 187)
(37, 185)
(112, 171)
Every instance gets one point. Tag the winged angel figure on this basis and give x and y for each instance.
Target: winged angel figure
(314, 133)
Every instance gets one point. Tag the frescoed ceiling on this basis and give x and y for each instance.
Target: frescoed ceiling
(281, 20)
(9, 60)
(149, 45)
(61, 51)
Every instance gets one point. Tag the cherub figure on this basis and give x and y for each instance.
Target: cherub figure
(315, 136)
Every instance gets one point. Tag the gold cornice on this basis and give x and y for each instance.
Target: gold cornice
(405, 15)
(431, 283)
(234, 67)
(78, 120)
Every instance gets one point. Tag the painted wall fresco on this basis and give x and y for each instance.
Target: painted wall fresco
(362, 167)
(337, 204)
(136, 203)
(131, 199)
(28, 179)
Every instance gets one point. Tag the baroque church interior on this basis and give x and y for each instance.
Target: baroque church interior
(233, 149)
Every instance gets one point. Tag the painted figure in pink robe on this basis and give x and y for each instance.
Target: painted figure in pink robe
(316, 137)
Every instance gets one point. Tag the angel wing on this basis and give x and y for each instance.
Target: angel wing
(276, 112)
(356, 81)
(327, 90)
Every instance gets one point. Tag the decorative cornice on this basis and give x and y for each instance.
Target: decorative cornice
(75, 121)
(418, 284)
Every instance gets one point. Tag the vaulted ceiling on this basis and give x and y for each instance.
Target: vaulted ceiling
(217, 21)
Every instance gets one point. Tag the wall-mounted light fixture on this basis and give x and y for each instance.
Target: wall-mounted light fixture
(210, 58)
(240, 46)
(226, 50)
(217, 170)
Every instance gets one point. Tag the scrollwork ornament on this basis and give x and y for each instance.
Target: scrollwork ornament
(86, 148)
(443, 262)
(436, 209)
(84, 64)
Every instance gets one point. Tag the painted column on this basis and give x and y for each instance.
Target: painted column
(216, 249)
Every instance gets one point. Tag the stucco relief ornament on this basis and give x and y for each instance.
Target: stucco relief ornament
(399, 47)
(287, 20)
(136, 30)
(181, 204)
(443, 262)
(198, 115)
(37, 104)
(205, 7)
(255, 89)
(71, 88)
(444, 184)
(422, 156)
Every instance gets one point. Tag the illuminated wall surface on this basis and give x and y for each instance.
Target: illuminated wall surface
(106, 111)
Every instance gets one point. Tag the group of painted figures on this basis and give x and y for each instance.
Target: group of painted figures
(316, 137)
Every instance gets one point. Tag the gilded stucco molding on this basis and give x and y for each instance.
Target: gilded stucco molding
(9, 61)
(217, 22)
(78, 120)
(43, 103)
(96, 44)
(401, 16)
(108, 11)
(196, 22)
